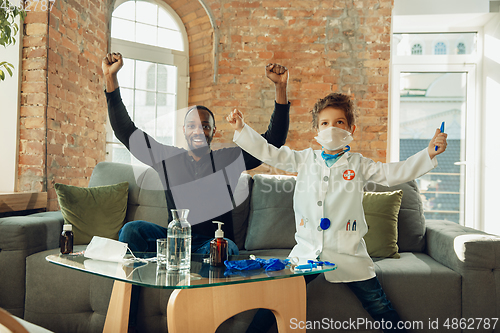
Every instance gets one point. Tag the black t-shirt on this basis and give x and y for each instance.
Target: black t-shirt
(205, 187)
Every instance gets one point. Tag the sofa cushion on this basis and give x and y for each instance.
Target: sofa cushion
(411, 221)
(93, 211)
(381, 214)
(271, 213)
(420, 287)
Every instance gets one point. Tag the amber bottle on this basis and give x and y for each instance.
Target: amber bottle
(66, 239)
(218, 248)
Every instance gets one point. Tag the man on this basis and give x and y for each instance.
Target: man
(199, 179)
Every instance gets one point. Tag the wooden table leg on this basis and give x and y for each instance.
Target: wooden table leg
(204, 309)
(118, 309)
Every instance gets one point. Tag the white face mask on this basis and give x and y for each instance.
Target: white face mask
(333, 138)
(106, 249)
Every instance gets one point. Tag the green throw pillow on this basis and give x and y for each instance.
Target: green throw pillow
(93, 211)
(381, 214)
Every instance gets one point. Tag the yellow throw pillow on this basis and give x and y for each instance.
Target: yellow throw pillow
(381, 214)
(93, 211)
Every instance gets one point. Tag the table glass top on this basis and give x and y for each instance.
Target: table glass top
(149, 274)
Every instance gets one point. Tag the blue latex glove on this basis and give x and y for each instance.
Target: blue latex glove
(272, 264)
(242, 265)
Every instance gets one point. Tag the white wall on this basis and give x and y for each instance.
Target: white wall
(491, 122)
(9, 115)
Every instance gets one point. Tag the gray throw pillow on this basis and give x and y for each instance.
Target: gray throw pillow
(271, 222)
(240, 213)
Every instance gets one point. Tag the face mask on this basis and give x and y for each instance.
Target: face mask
(106, 249)
(333, 138)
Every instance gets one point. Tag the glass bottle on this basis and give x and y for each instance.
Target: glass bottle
(66, 239)
(179, 241)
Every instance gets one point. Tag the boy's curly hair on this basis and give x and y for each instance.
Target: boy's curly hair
(338, 101)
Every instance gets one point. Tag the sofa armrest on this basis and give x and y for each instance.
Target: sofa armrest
(33, 233)
(473, 254)
(21, 236)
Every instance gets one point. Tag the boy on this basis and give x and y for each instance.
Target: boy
(325, 217)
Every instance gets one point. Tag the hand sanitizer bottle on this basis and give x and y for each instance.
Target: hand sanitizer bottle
(218, 248)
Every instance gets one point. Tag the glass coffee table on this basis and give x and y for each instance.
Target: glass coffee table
(204, 297)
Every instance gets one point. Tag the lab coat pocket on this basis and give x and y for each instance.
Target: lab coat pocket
(347, 241)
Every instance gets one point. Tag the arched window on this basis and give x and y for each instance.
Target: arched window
(416, 49)
(460, 48)
(154, 79)
(440, 48)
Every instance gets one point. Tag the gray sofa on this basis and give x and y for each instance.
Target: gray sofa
(446, 271)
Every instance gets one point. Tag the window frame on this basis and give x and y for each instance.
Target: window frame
(160, 55)
(10, 94)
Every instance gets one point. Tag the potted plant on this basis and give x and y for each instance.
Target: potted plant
(8, 29)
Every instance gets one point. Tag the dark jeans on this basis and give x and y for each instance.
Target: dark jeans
(141, 236)
(369, 292)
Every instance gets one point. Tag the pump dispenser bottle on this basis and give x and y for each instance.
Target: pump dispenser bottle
(218, 248)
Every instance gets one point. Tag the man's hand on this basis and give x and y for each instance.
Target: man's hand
(235, 118)
(277, 73)
(438, 140)
(111, 64)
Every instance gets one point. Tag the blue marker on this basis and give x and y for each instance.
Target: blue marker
(442, 130)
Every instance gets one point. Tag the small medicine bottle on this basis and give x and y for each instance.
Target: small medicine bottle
(218, 248)
(66, 239)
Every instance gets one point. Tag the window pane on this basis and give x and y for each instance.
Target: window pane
(146, 34)
(406, 43)
(146, 12)
(145, 114)
(170, 39)
(120, 154)
(165, 126)
(167, 79)
(125, 11)
(440, 48)
(165, 20)
(416, 49)
(461, 49)
(145, 75)
(126, 74)
(427, 99)
(123, 29)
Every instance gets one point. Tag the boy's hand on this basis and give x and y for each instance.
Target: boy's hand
(277, 73)
(438, 140)
(235, 118)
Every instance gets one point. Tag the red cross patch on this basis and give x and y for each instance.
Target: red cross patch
(349, 174)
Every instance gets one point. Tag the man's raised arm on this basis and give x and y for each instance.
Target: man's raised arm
(278, 125)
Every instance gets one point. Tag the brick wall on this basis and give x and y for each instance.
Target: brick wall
(63, 114)
(329, 46)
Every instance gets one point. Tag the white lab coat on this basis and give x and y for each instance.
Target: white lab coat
(335, 193)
